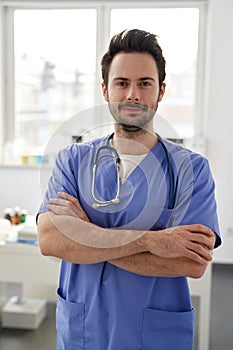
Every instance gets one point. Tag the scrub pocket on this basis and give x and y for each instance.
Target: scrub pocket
(164, 330)
(70, 325)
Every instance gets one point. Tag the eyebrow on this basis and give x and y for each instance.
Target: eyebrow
(140, 79)
(146, 78)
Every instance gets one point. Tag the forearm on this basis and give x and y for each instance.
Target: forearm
(77, 241)
(147, 264)
(65, 232)
(88, 243)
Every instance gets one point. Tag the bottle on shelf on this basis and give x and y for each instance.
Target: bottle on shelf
(23, 215)
(16, 216)
(8, 214)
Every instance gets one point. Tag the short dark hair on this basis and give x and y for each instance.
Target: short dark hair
(134, 40)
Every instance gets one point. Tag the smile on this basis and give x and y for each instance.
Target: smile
(132, 108)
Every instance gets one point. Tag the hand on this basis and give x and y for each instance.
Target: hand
(195, 242)
(66, 204)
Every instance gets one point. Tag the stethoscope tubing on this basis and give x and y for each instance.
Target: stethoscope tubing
(171, 201)
(100, 203)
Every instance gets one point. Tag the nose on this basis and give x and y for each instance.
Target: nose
(133, 94)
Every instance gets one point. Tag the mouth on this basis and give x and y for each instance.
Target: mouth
(132, 109)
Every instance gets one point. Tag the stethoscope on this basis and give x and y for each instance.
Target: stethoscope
(112, 153)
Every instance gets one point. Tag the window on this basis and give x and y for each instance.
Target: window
(55, 52)
(54, 70)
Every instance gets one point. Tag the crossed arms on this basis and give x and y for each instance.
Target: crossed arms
(180, 251)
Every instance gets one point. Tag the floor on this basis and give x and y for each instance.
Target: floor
(42, 338)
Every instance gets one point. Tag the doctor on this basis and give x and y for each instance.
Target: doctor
(128, 240)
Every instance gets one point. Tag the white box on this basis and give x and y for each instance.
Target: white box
(23, 314)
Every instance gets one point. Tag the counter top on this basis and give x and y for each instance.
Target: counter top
(22, 263)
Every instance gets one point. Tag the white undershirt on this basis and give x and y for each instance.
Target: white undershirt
(128, 163)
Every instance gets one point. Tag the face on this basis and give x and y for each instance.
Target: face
(133, 90)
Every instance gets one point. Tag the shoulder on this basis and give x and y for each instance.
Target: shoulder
(184, 157)
(79, 150)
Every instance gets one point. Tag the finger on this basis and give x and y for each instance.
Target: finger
(65, 195)
(200, 250)
(72, 199)
(197, 237)
(201, 239)
(65, 207)
(198, 228)
(71, 206)
(77, 208)
(69, 197)
(71, 209)
(57, 209)
(58, 201)
(195, 257)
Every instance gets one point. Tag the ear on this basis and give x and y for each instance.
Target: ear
(105, 92)
(162, 92)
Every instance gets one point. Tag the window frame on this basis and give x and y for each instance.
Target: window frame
(103, 8)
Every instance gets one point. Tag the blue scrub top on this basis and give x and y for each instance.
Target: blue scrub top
(102, 307)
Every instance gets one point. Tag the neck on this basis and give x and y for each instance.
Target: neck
(134, 143)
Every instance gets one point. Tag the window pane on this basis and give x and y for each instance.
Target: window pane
(54, 70)
(177, 31)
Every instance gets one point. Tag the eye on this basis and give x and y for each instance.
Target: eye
(145, 83)
(121, 83)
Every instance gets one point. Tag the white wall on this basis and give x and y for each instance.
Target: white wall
(219, 114)
(21, 187)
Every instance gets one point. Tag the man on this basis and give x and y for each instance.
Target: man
(127, 245)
